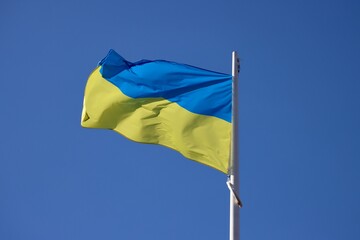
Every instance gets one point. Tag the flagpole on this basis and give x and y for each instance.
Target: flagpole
(234, 161)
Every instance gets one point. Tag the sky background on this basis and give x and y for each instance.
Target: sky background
(299, 121)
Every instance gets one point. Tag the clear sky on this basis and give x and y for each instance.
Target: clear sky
(299, 121)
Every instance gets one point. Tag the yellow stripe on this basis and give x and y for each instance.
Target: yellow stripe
(201, 138)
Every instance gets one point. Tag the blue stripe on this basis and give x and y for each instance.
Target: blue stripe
(197, 90)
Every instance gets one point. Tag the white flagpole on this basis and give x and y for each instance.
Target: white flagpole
(234, 161)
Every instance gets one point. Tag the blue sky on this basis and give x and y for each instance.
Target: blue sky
(299, 121)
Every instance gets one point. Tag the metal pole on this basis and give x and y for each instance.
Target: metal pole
(234, 160)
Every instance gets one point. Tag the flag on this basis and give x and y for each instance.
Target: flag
(175, 105)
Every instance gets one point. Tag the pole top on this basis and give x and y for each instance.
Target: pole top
(236, 61)
(236, 64)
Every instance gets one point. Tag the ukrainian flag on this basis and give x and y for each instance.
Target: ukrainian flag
(175, 105)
